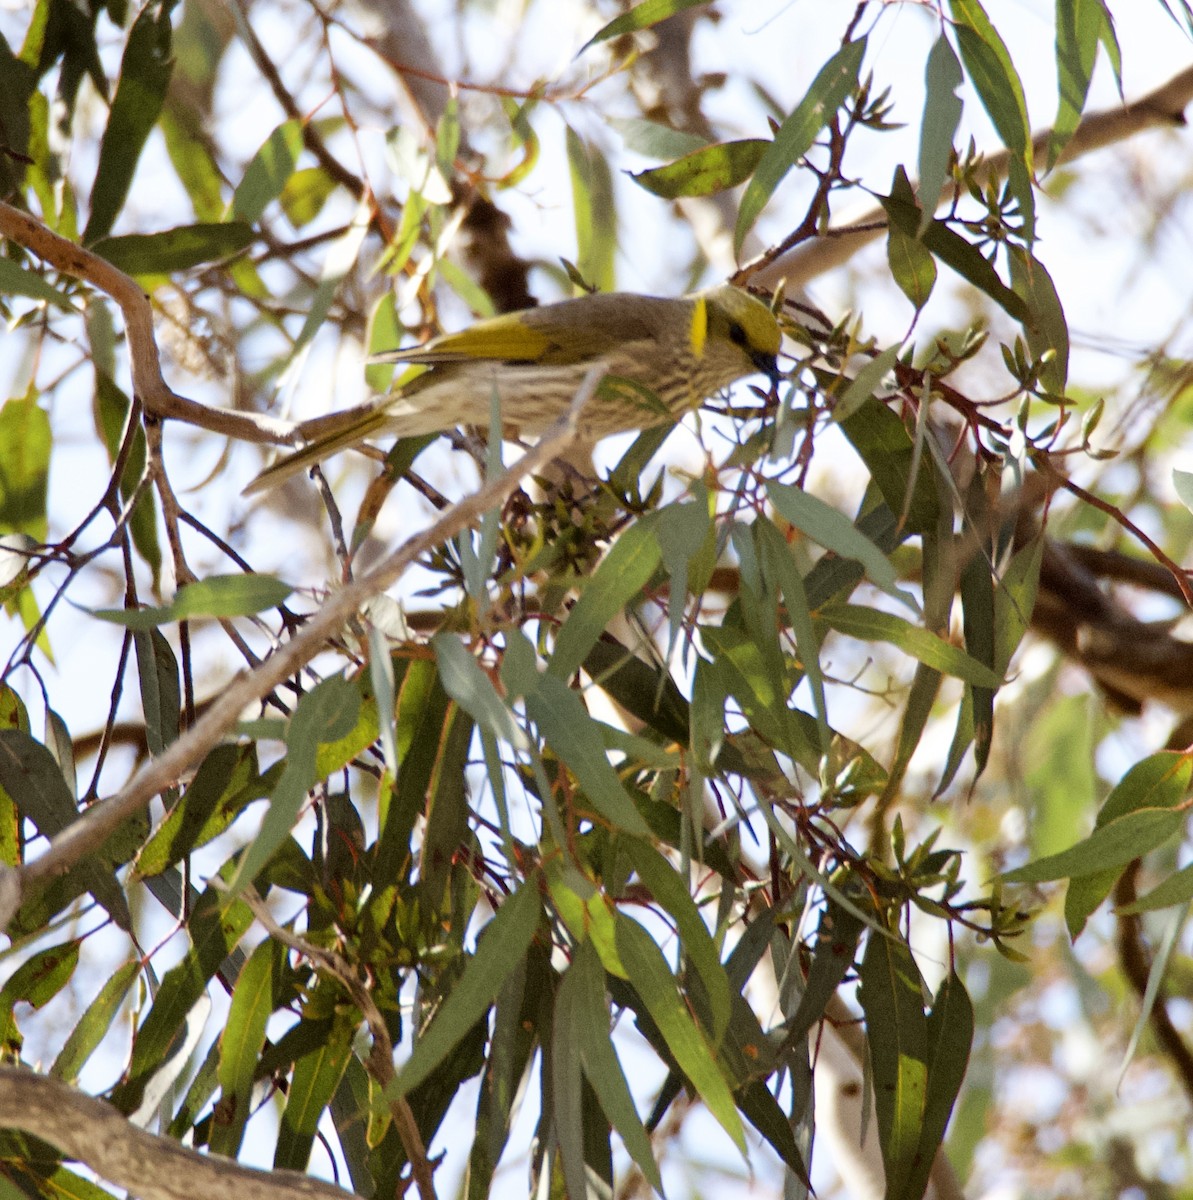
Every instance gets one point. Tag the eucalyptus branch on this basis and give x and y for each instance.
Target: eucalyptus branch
(149, 386)
(92, 1132)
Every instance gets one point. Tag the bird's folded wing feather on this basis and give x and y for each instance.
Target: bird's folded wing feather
(317, 451)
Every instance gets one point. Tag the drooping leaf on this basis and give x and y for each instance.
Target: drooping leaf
(1112, 845)
(834, 531)
(315, 1079)
(498, 952)
(145, 73)
(241, 1044)
(653, 981)
(832, 86)
(25, 441)
(595, 212)
(1081, 25)
(268, 172)
(869, 624)
(942, 115)
(89, 1030)
(567, 728)
(215, 928)
(897, 1034)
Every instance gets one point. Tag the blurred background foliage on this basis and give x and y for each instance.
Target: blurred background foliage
(641, 831)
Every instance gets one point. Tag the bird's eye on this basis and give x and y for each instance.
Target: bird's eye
(737, 334)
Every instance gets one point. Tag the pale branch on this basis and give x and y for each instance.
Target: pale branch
(1163, 107)
(92, 1132)
(89, 832)
(149, 386)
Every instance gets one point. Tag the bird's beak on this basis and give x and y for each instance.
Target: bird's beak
(768, 364)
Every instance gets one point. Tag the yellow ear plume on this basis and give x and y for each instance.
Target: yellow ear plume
(698, 333)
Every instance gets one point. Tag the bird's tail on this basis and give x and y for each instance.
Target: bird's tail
(317, 451)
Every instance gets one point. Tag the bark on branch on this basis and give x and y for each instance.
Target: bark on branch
(1163, 107)
(92, 1132)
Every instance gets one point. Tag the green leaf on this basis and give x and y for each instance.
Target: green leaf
(468, 685)
(950, 1037)
(1046, 328)
(25, 441)
(314, 1082)
(35, 982)
(742, 671)
(1080, 26)
(977, 609)
(865, 383)
(15, 280)
(989, 66)
(654, 983)
(836, 81)
(942, 114)
(305, 194)
(641, 16)
(955, 252)
(241, 1044)
(176, 249)
(833, 952)
(19, 90)
(268, 172)
(836, 532)
(595, 212)
(31, 777)
(907, 481)
(325, 714)
(705, 171)
(855, 620)
(654, 140)
(111, 407)
(912, 265)
(1158, 781)
(572, 734)
(226, 781)
(220, 597)
(161, 693)
(897, 1033)
(670, 893)
(1176, 889)
(585, 984)
(144, 76)
(215, 928)
(567, 1087)
(517, 1019)
(620, 577)
(89, 1030)
(1112, 845)
(499, 950)
(230, 596)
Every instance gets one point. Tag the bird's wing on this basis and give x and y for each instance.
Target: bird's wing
(500, 339)
(317, 451)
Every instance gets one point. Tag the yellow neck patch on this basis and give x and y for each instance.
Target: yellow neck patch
(698, 333)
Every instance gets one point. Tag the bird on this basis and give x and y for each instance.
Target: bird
(663, 356)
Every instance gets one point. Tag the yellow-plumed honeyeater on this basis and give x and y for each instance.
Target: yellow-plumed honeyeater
(661, 357)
